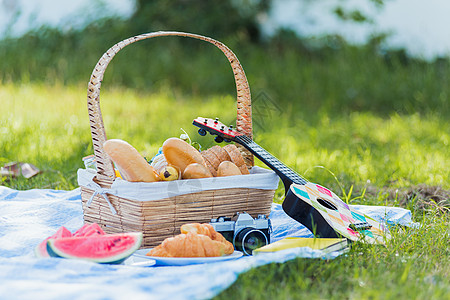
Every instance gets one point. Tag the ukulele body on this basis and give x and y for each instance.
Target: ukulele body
(314, 206)
(325, 214)
(302, 212)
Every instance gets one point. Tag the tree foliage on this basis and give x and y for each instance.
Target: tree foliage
(220, 19)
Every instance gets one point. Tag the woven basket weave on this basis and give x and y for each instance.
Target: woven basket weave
(159, 219)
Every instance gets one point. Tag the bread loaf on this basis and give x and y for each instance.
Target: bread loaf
(180, 154)
(132, 166)
(221, 154)
(195, 171)
(211, 160)
(211, 168)
(227, 168)
(236, 158)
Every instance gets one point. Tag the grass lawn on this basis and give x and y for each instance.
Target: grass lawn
(395, 160)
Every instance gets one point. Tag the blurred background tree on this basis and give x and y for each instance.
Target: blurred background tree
(312, 73)
(220, 19)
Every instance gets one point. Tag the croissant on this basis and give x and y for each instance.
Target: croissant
(191, 245)
(205, 229)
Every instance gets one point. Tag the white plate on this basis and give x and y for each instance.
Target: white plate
(139, 261)
(183, 261)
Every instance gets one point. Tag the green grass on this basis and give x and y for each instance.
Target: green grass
(364, 157)
(49, 126)
(414, 265)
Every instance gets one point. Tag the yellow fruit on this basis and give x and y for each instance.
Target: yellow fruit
(169, 173)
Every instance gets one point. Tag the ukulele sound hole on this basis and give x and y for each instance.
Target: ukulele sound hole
(326, 204)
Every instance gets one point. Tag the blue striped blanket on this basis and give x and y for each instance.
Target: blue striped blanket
(28, 217)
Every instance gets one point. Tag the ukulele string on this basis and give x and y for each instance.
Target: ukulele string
(272, 159)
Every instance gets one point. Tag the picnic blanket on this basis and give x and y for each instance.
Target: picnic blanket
(28, 217)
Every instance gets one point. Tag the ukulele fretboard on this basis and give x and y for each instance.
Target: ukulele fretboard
(281, 169)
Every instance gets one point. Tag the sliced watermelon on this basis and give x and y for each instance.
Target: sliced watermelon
(86, 230)
(89, 230)
(41, 249)
(107, 248)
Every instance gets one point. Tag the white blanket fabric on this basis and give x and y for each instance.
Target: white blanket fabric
(28, 217)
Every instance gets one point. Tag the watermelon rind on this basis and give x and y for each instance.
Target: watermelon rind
(102, 255)
(41, 250)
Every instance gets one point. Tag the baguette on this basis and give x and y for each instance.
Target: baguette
(132, 166)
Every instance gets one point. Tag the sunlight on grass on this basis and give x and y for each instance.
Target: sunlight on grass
(399, 151)
(49, 126)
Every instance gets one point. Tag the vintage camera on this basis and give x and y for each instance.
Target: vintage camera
(244, 232)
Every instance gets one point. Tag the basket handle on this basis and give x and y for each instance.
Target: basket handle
(105, 169)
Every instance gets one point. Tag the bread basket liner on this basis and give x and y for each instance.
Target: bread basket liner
(259, 178)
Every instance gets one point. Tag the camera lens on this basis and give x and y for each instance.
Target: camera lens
(249, 239)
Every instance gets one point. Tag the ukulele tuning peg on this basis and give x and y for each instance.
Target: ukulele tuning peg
(218, 139)
(202, 132)
(216, 121)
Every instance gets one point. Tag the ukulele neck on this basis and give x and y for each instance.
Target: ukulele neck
(287, 175)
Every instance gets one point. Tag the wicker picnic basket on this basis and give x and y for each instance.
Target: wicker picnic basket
(162, 218)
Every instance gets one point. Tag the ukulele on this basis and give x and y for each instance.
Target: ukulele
(313, 205)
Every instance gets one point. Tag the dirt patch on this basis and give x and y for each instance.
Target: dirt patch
(424, 197)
